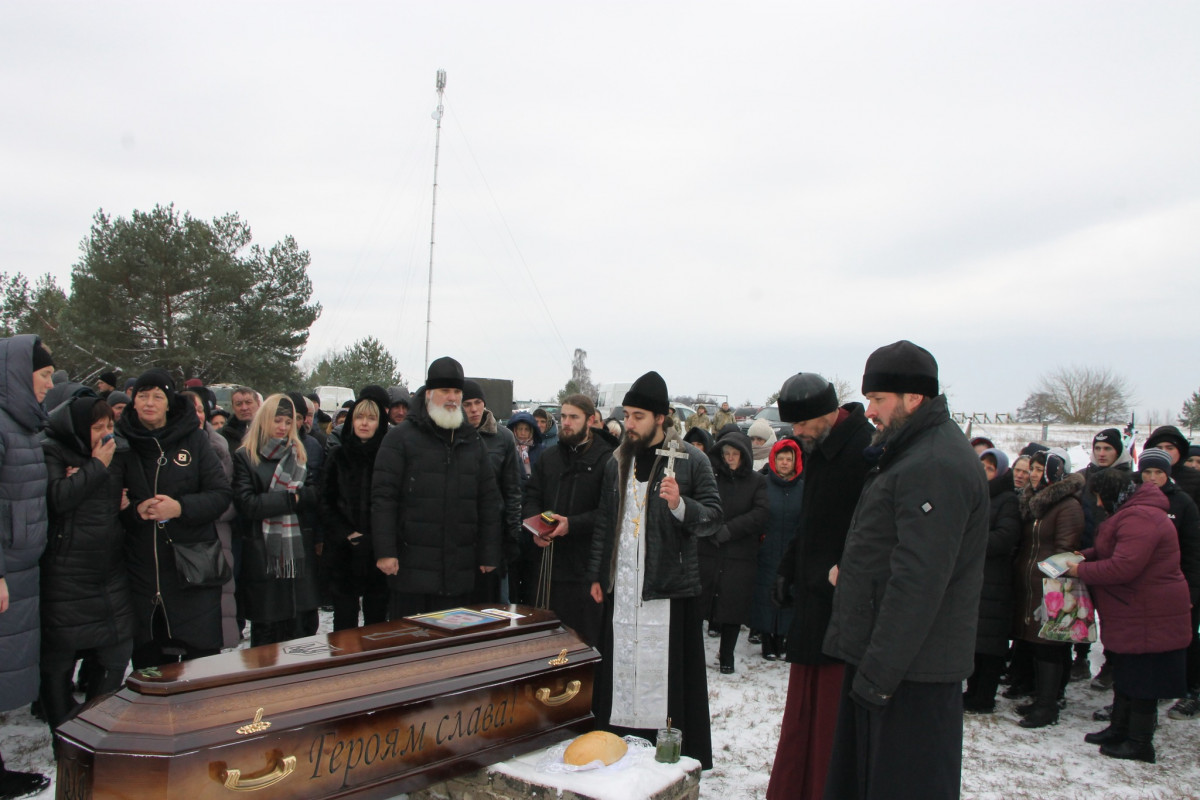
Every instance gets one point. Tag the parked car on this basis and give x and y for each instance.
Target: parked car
(744, 413)
(771, 415)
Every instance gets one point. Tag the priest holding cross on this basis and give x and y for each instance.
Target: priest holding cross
(659, 496)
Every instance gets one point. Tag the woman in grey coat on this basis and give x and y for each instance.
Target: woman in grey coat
(25, 376)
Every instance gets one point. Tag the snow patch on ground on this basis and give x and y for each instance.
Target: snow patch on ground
(1001, 761)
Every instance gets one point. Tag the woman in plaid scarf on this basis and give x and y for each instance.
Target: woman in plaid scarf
(270, 491)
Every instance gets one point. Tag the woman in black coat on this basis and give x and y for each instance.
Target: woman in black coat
(279, 559)
(177, 490)
(85, 597)
(729, 560)
(345, 511)
(996, 598)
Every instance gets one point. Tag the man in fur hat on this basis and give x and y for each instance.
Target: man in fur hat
(435, 507)
(644, 560)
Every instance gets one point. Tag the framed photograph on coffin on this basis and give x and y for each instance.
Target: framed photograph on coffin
(456, 619)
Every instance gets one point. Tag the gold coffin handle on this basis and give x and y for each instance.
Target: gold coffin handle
(557, 700)
(234, 782)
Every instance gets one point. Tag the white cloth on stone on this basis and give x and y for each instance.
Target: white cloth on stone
(641, 628)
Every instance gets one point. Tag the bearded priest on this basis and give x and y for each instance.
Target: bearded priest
(659, 497)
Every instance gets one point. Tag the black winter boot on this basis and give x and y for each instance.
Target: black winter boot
(20, 784)
(1118, 727)
(1045, 710)
(1140, 744)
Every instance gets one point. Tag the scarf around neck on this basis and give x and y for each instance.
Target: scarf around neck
(285, 545)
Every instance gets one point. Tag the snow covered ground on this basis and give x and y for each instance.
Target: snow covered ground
(1000, 759)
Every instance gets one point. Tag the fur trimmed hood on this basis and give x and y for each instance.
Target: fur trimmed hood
(1035, 505)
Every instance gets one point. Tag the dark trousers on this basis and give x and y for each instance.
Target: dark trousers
(372, 591)
(106, 674)
(404, 604)
(1193, 653)
(162, 649)
(284, 630)
(911, 748)
(572, 602)
(982, 684)
(729, 637)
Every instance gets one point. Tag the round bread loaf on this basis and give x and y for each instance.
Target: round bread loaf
(594, 745)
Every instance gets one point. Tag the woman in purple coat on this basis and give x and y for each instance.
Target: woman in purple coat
(1143, 602)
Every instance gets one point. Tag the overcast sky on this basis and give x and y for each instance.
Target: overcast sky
(725, 192)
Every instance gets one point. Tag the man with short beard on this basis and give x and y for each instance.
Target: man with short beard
(906, 604)
(566, 482)
(833, 439)
(644, 560)
(502, 452)
(434, 501)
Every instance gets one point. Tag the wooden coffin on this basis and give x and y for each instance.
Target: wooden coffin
(365, 713)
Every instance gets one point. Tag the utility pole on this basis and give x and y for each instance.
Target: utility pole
(437, 143)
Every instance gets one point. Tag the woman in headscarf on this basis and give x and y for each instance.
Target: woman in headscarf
(762, 439)
(345, 510)
(270, 490)
(996, 598)
(1053, 522)
(785, 489)
(177, 490)
(86, 604)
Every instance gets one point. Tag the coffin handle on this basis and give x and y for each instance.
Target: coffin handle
(234, 782)
(557, 700)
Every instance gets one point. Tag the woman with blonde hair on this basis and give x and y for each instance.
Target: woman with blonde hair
(270, 491)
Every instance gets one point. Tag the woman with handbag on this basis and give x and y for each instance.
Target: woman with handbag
(177, 491)
(279, 559)
(1142, 596)
(1052, 518)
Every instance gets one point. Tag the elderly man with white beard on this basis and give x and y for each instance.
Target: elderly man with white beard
(435, 505)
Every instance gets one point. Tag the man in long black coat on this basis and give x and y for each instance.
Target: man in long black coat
(833, 439)
(435, 508)
(907, 599)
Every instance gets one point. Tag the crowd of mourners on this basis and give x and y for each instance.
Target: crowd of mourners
(143, 524)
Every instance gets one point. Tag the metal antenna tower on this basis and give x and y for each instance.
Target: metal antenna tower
(437, 144)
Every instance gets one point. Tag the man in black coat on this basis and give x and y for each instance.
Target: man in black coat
(435, 508)
(833, 439)
(502, 452)
(907, 600)
(566, 482)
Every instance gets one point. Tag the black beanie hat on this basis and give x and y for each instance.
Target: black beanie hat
(901, 368)
(298, 400)
(473, 391)
(806, 396)
(444, 373)
(1110, 436)
(1033, 447)
(649, 392)
(41, 356)
(109, 377)
(1169, 433)
(377, 395)
(116, 398)
(156, 379)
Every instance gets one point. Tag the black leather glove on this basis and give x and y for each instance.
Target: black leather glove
(779, 592)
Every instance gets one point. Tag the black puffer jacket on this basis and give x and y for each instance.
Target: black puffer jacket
(729, 560)
(568, 481)
(85, 588)
(502, 452)
(266, 598)
(1186, 518)
(1052, 521)
(344, 505)
(672, 559)
(907, 600)
(834, 471)
(435, 505)
(191, 473)
(996, 599)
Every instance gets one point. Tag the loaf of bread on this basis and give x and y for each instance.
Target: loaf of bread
(594, 745)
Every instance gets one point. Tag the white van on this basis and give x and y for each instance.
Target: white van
(332, 397)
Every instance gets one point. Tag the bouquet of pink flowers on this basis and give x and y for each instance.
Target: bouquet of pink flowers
(1066, 612)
